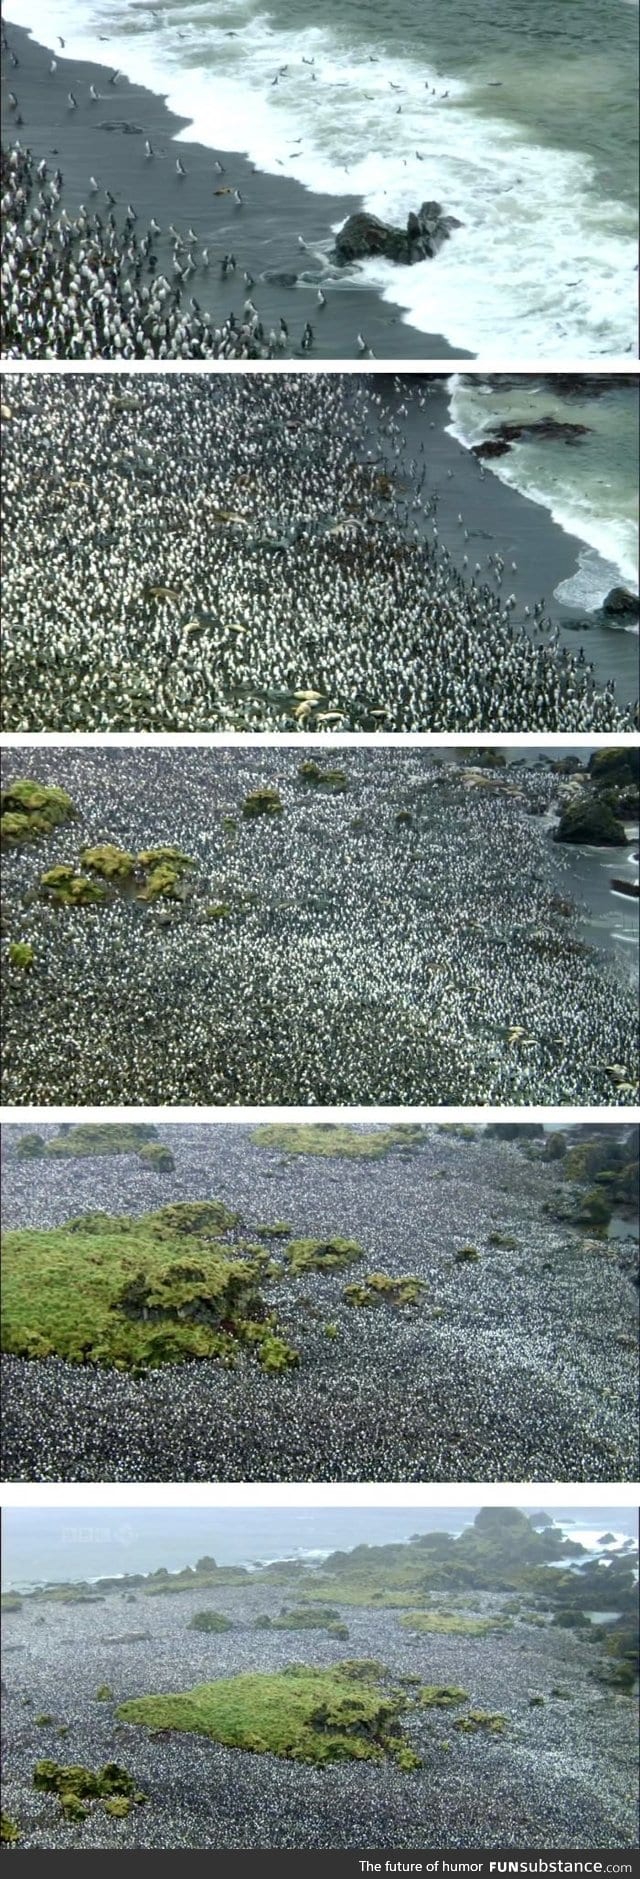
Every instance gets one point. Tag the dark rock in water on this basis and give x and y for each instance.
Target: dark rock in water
(492, 447)
(632, 888)
(566, 766)
(622, 604)
(592, 822)
(364, 235)
(504, 435)
(124, 125)
(277, 279)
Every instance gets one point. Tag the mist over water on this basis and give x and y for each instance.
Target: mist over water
(520, 121)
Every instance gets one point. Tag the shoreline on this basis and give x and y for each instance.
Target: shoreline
(523, 530)
(263, 233)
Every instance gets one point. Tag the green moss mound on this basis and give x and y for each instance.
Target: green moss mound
(262, 802)
(322, 1255)
(21, 954)
(379, 1289)
(109, 861)
(309, 1618)
(29, 809)
(453, 1624)
(9, 1830)
(74, 1785)
(209, 1621)
(327, 1138)
(441, 1696)
(99, 1138)
(466, 1256)
(125, 1292)
(10, 1602)
(104, 1693)
(301, 1715)
(154, 874)
(67, 888)
(480, 1719)
(313, 773)
(30, 1146)
(156, 1156)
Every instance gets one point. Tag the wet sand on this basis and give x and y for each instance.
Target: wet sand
(107, 138)
(499, 517)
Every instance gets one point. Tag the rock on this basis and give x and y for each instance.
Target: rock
(364, 235)
(621, 604)
(592, 822)
(615, 766)
(504, 435)
(631, 888)
(492, 447)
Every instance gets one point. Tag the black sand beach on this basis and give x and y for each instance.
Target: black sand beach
(107, 138)
(500, 519)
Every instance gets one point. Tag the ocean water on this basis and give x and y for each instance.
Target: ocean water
(589, 487)
(518, 115)
(45, 1544)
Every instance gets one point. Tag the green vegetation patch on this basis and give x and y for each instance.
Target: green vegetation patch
(10, 1602)
(30, 1145)
(67, 888)
(125, 1292)
(327, 1138)
(30, 809)
(9, 1830)
(378, 1289)
(109, 861)
(454, 1624)
(209, 1621)
(74, 1785)
(75, 1141)
(299, 1714)
(154, 874)
(440, 1696)
(21, 954)
(480, 1719)
(263, 802)
(157, 1156)
(322, 1255)
(466, 1256)
(306, 1618)
(313, 773)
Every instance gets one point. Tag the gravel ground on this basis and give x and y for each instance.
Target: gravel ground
(364, 959)
(562, 1775)
(527, 1374)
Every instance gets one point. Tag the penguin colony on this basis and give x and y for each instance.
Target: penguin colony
(86, 286)
(575, 1784)
(359, 958)
(256, 553)
(518, 1367)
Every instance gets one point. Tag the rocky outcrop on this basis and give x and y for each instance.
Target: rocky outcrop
(365, 235)
(590, 821)
(621, 604)
(504, 435)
